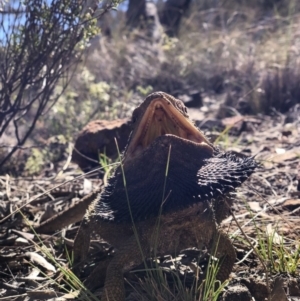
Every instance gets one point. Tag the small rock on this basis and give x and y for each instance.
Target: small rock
(237, 293)
(294, 287)
(97, 137)
(257, 288)
(278, 292)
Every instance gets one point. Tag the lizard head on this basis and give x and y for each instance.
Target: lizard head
(197, 171)
(162, 114)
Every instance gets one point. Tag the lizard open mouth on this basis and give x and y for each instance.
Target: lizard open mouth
(163, 117)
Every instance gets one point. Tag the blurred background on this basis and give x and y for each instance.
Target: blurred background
(64, 63)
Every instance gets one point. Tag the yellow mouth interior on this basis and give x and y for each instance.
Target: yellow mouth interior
(163, 118)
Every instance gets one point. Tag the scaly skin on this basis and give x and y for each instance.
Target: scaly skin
(175, 196)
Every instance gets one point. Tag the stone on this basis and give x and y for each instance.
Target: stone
(98, 137)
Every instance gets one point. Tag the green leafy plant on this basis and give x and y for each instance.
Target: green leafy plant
(281, 256)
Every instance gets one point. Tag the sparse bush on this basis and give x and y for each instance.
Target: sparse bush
(40, 44)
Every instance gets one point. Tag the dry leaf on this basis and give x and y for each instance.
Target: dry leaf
(254, 206)
(276, 238)
(26, 235)
(34, 273)
(71, 295)
(40, 260)
(21, 241)
(291, 204)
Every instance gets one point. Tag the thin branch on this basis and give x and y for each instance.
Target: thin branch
(34, 55)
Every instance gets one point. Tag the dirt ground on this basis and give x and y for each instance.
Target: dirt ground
(267, 209)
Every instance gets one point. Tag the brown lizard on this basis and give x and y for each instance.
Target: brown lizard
(169, 193)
